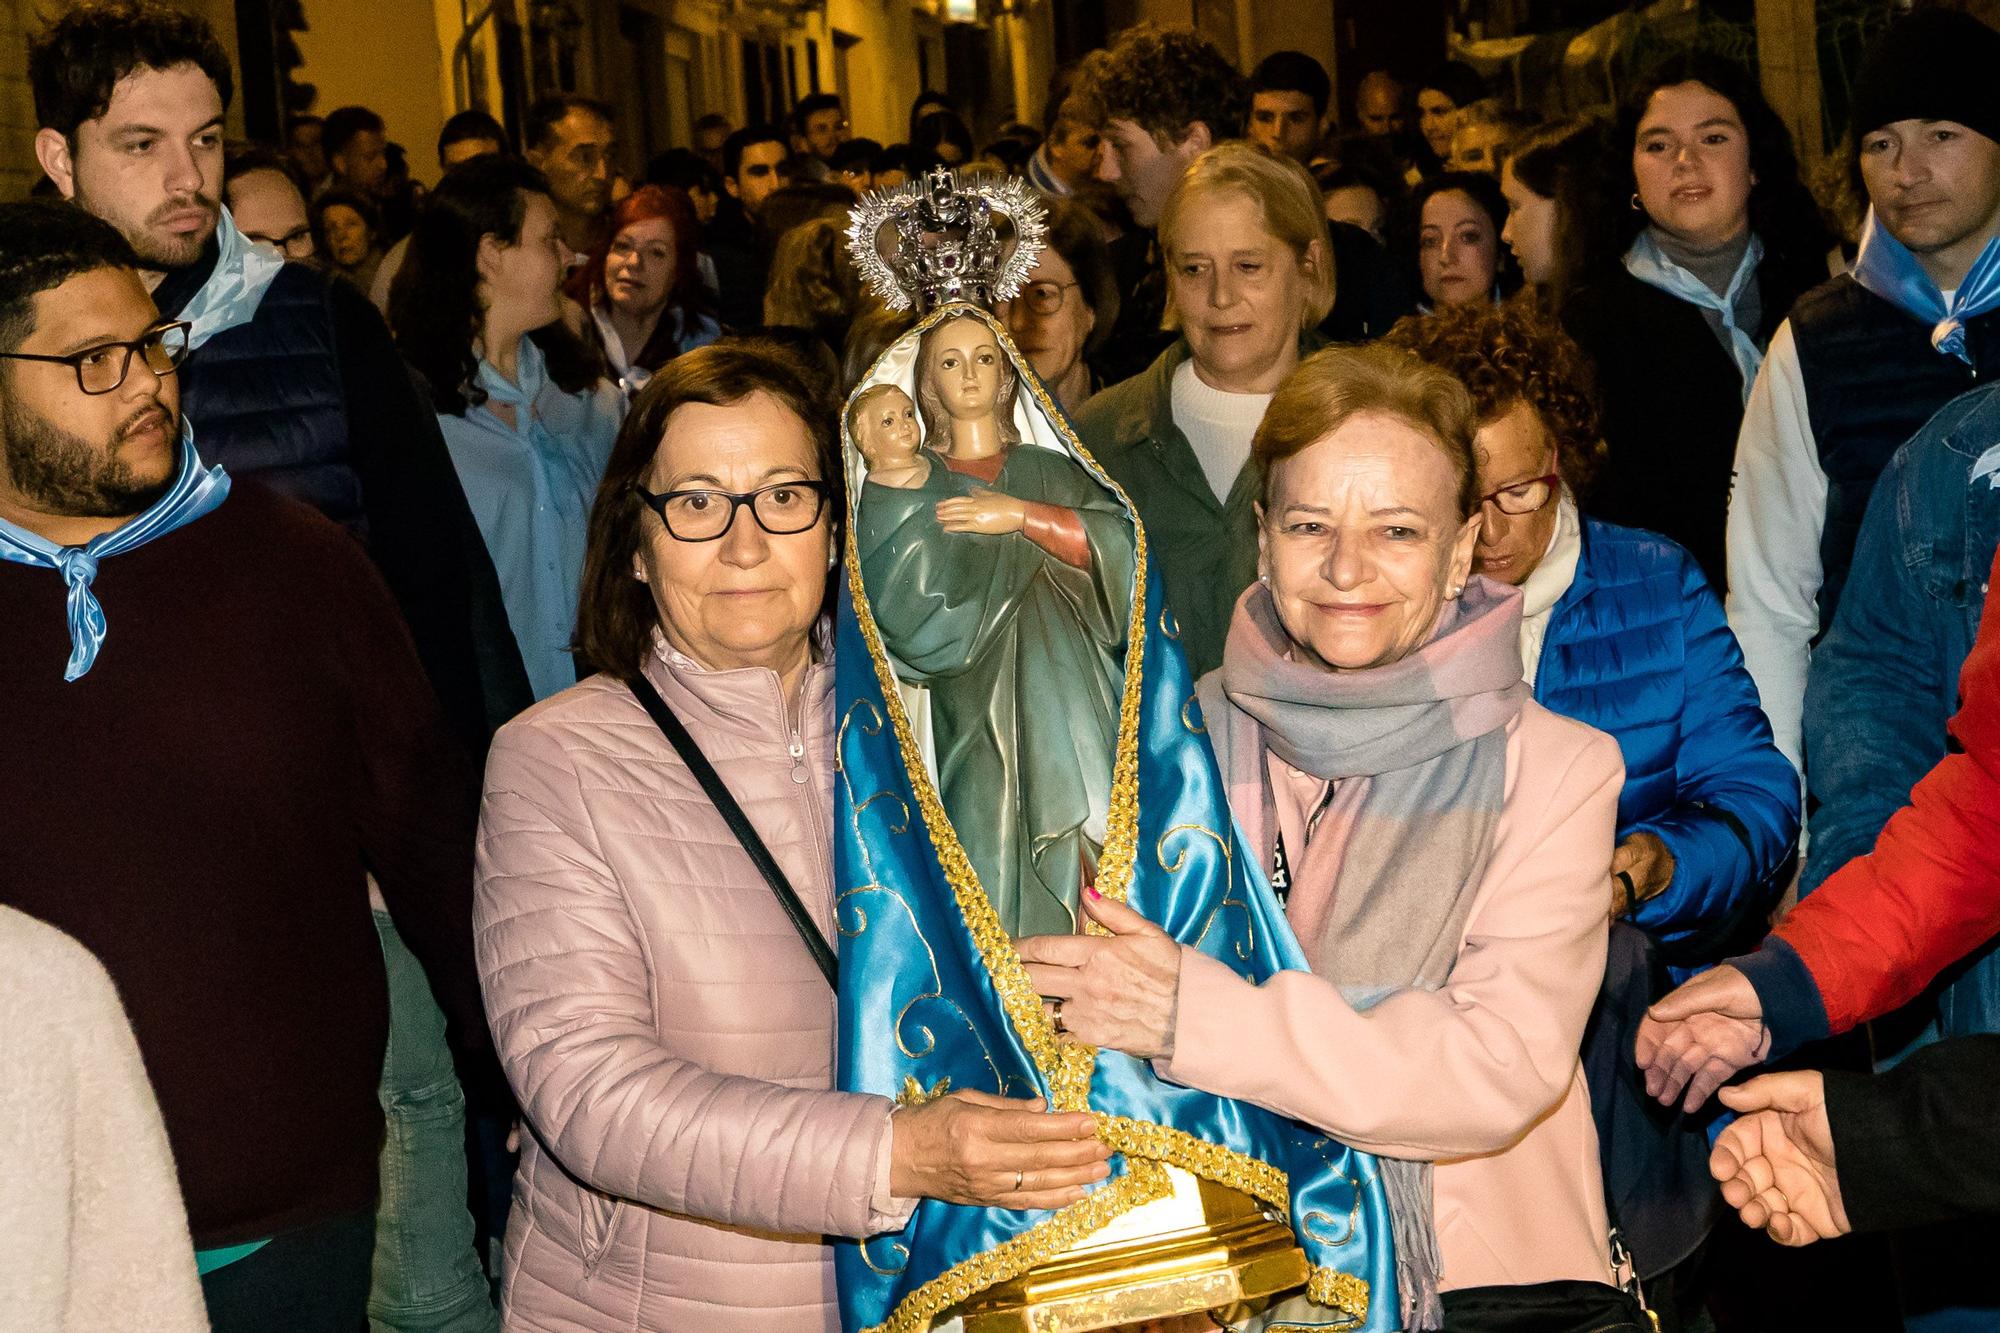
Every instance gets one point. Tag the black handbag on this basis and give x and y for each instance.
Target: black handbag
(1544, 1307)
(739, 824)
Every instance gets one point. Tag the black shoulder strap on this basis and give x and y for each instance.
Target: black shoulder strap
(739, 824)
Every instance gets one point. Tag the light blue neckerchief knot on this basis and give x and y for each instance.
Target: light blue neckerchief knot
(244, 271)
(1886, 267)
(1647, 262)
(195, 491)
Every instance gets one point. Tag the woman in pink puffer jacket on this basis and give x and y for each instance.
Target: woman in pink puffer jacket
(665, 1028)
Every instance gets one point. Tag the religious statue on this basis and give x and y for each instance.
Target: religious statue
(1012, 569)
(1015, 722)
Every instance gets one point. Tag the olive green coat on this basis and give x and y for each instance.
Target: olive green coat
(1205, 549)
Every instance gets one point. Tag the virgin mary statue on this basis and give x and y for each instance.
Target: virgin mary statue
(1017, 722)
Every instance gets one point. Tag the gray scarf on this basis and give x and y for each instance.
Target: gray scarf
(1418, 752)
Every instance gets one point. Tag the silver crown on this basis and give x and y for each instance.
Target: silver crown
(944, 245)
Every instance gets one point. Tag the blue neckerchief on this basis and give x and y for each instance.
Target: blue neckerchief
(1886, 267)
(1647, 262)
(243, 272)
(196, 490)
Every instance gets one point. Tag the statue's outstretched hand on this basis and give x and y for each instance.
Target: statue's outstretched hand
(1120, 993)
(990, 512)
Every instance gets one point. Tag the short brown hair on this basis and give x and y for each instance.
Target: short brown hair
(1513, 353)
(1333, 386)
(615, 614)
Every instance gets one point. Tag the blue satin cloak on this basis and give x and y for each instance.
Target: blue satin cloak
(931, 1000)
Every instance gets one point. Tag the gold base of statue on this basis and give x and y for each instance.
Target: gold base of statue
(1205, 1247)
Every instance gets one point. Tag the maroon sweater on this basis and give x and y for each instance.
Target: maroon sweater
(201, 810)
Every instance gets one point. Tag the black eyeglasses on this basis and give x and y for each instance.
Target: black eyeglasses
(101, 369)
(781, 509)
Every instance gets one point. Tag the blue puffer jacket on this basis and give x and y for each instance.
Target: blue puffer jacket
(1638, 648)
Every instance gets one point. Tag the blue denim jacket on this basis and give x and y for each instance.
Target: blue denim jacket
(1884, 681)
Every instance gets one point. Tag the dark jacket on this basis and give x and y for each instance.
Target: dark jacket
(1672, 402)
(1884, 681)
(1369, 295)
(741, 267)
(1921, 1143)
(1137, 338)
(1204, 548)
(1871, 378)
(311, 398)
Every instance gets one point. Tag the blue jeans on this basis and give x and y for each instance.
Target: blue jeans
(427, 1277)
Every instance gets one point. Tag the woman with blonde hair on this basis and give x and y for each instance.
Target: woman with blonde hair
(1248, 277)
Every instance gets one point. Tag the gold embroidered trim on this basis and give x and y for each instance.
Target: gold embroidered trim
(1144, 1183)
(1339, 1291)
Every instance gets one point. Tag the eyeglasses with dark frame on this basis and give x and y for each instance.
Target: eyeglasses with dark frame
(102, 368)
(781, 509)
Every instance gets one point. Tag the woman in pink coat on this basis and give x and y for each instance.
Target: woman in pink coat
(1444, 844)
(661, 1019)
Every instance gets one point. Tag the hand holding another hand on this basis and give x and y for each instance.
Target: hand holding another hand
(1700, 1036)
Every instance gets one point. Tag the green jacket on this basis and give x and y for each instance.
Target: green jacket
(1205, 549)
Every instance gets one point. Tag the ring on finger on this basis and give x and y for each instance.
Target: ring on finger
(1055, 1015)
(1017, 1182)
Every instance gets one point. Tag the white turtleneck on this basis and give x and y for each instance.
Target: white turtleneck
(1547, 582)
(1218, 426)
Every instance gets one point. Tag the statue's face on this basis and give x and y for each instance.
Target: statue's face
(963, 362)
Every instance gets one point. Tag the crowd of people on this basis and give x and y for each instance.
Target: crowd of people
(1580, 532)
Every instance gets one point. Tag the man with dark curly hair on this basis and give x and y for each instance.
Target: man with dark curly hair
(1160, 97)
(1622, 630)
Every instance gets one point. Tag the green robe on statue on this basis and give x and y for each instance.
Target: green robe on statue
(1024, 659)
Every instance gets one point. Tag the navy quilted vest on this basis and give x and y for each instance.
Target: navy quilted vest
(1872, 378)
(266, 402)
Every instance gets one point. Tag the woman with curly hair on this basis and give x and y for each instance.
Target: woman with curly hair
(525, 408)
(1620, 630)
(1720, 237)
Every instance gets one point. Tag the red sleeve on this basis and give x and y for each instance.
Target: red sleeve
(1058, 531)
(1884, 925)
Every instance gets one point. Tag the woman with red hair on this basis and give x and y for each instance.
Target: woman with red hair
(643, 287)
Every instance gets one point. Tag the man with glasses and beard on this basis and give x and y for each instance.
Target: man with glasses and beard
(216, 733)
(298, 382)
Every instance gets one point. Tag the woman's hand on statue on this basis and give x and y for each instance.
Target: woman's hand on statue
(994, 1152)
(1120, 993)
(990, 512)
(1641, 868)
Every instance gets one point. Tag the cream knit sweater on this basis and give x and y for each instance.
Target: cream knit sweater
(92, 1232)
